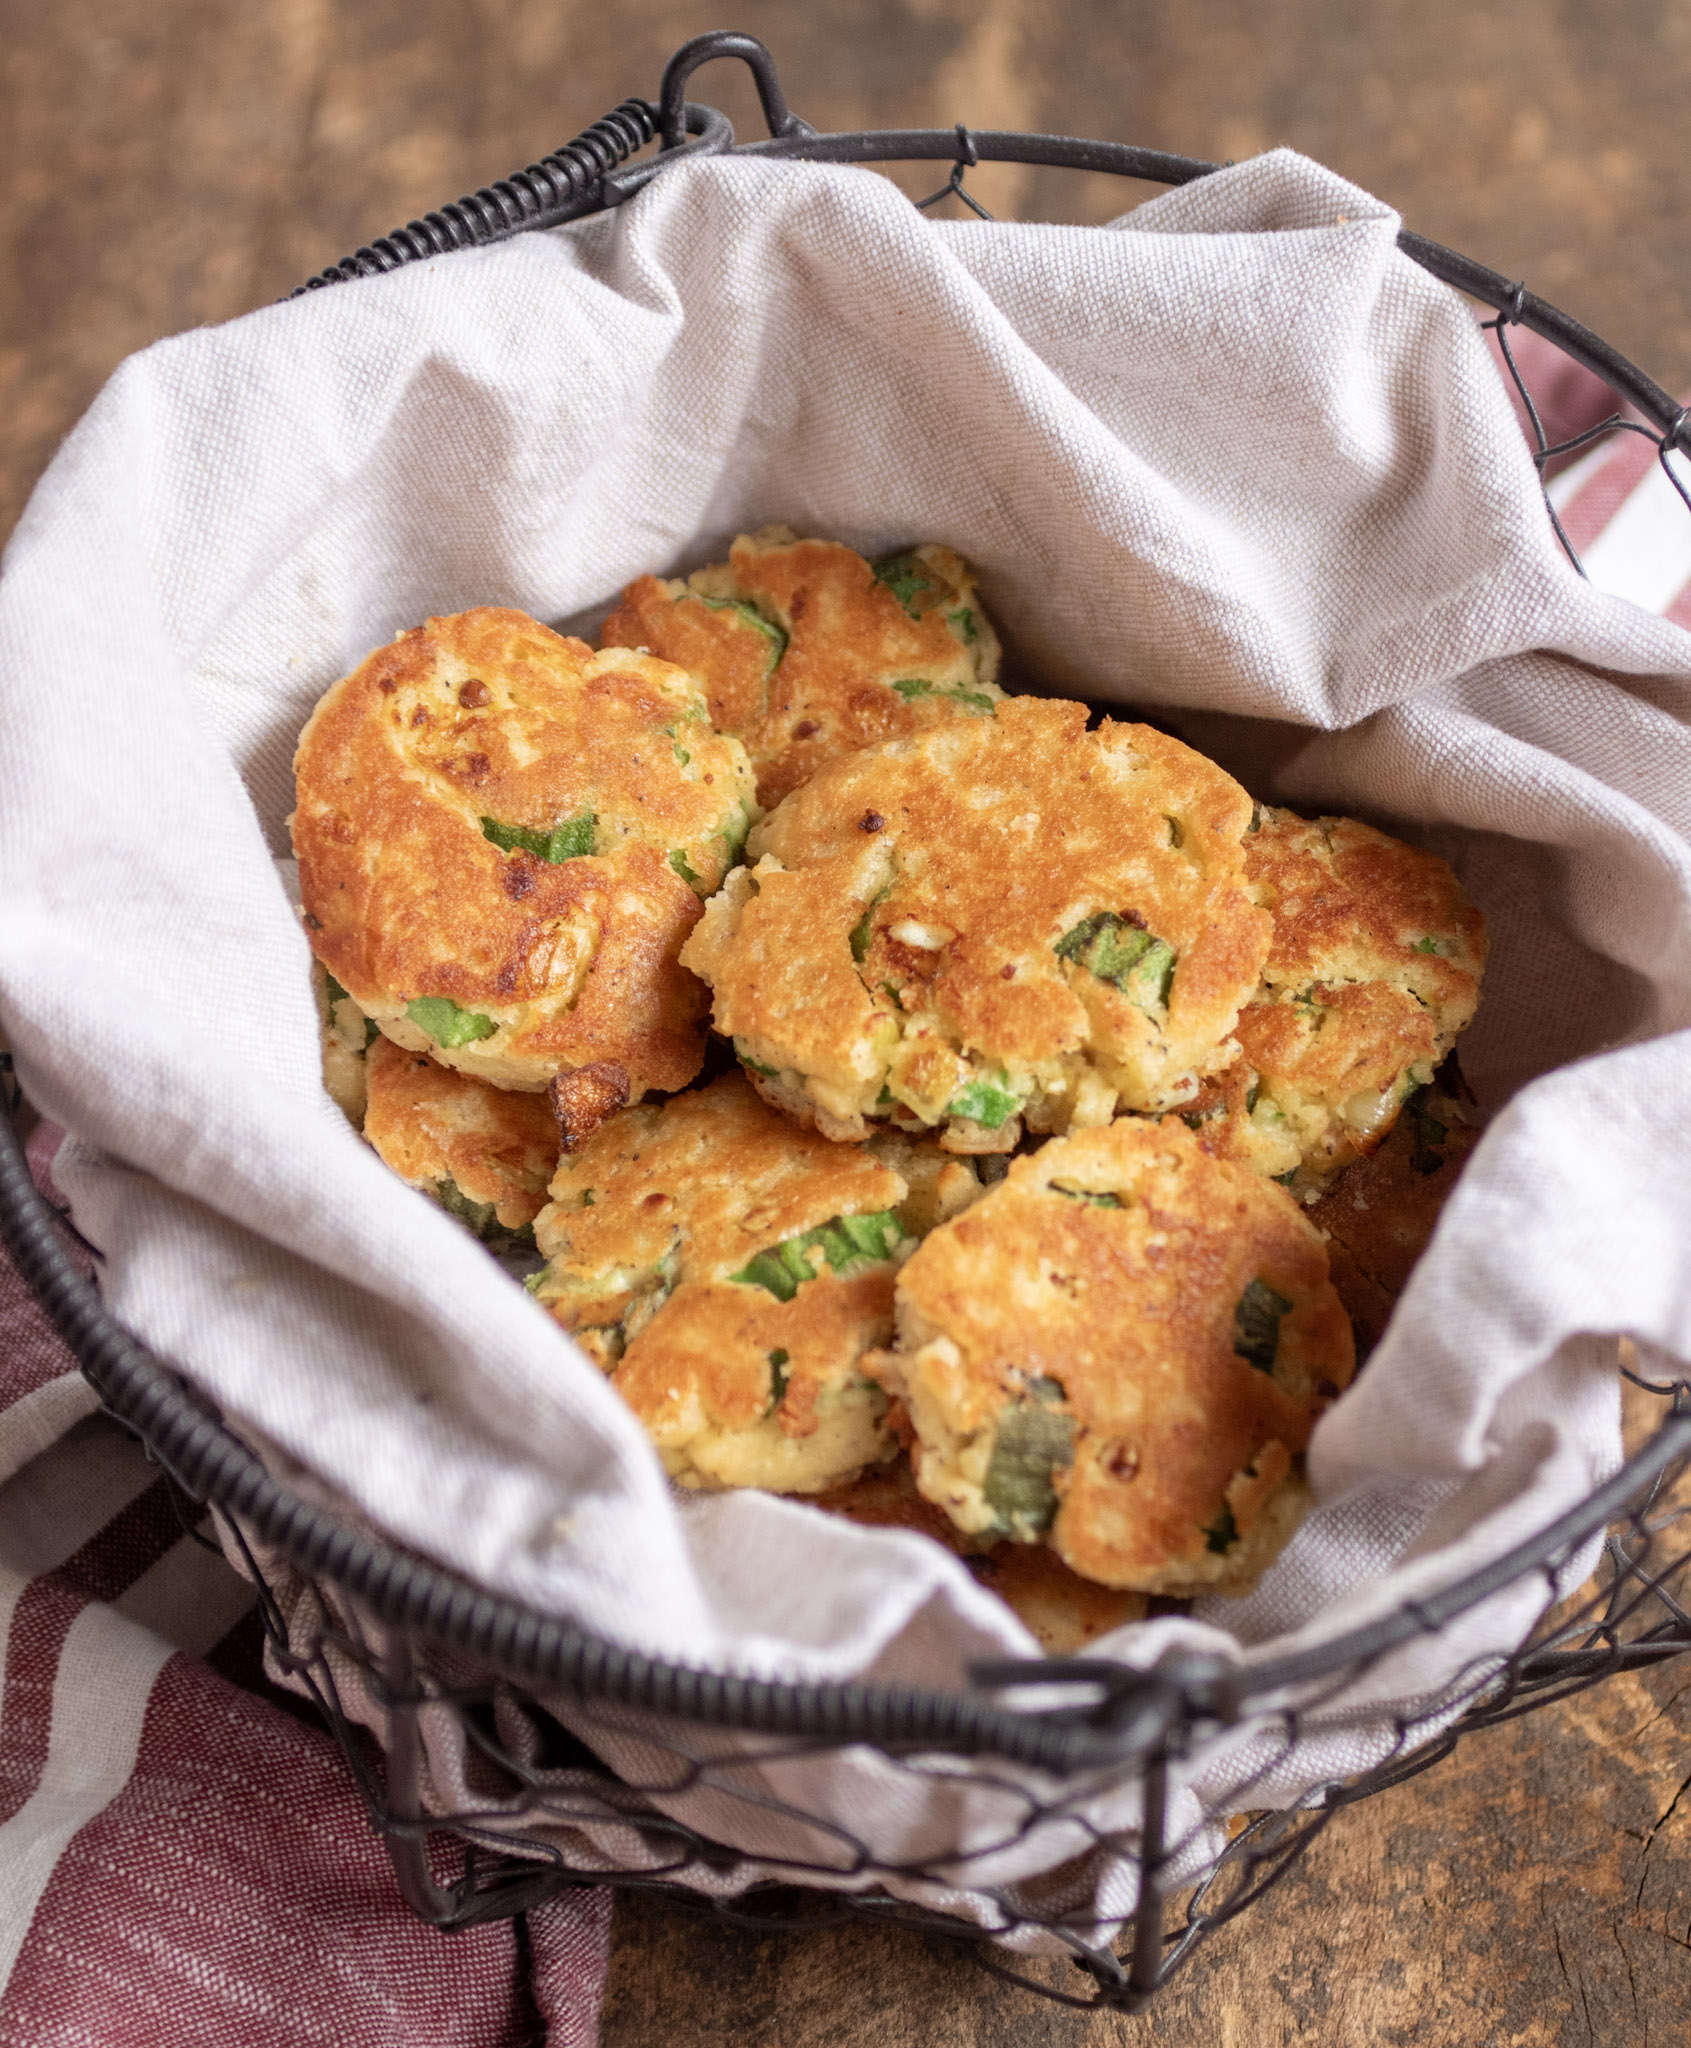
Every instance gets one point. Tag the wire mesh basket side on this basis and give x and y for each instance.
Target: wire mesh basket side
(1151, 1871)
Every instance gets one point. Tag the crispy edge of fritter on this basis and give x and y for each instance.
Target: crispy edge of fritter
(536, 935)
(431, 1125)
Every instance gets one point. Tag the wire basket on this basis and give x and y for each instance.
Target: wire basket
(443, 1667)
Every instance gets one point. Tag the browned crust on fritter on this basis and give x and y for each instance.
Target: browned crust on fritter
(1348, 1037)
(1003, 833)
(1131, 1310)
(586, 1098)
(430, 1124)
(711, 1340)
(849, 639)
(716, 644)
(1339, 887)
(405, 897)
(1373, 972)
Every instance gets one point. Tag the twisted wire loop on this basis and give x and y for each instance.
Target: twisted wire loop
(966, 159)
(557, 188)
(706, 49)
(1675, 435)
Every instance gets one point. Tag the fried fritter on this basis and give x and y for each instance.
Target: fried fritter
(729, 1270)
(503, 838)
(484, 1154)
(807, 651)
(999, 919)
(1373, 971)
(1122, 1349)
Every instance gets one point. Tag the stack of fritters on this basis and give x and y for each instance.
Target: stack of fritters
(966, 924)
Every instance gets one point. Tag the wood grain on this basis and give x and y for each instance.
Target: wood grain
(170, 162)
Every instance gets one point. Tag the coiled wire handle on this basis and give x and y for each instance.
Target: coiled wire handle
(562, 186)
(577, 179)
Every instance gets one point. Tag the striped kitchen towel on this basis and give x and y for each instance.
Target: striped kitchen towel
(184, 1859)
(183, 1856)
(1618, 507)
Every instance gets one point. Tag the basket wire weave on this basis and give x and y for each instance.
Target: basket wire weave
(441, 1660)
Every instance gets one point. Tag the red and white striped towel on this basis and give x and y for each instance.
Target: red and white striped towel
(1621, 513)
(183, 1858)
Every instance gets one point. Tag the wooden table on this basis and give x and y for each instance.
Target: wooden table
(166, 162)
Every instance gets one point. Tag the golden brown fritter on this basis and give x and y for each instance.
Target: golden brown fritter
(1122, 1348)
(1063, 1611)
(1001, 918)
(730, 1270)
(484, 1154)
(502, 841)
(808, 652)
(1373, 971)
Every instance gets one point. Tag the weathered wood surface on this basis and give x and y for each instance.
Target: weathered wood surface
(167, 162)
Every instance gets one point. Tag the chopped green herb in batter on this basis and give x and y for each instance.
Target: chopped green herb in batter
(568, 841)
(907, 577)
(448, 1025)
(1256, 1324)
(984, 1102)
(1035, 1439)
(1124, 954)
(845, 1243)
